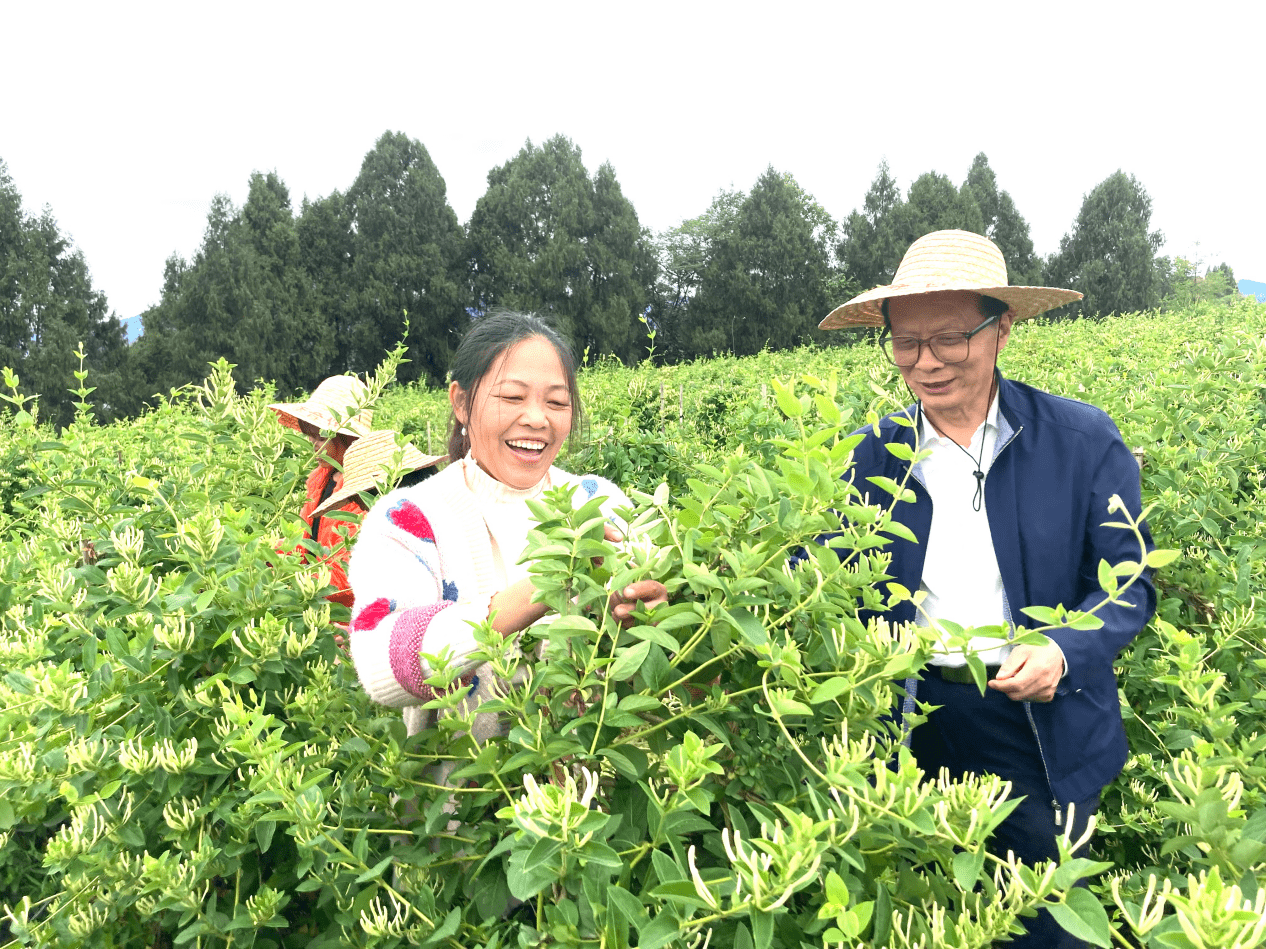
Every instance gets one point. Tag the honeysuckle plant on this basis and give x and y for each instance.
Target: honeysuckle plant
(186, 757)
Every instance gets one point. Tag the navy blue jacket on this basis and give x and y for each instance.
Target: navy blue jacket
(1057, 464)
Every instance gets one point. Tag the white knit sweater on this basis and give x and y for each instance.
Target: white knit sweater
(424, 568)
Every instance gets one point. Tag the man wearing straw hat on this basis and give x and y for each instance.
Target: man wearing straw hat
(1009, 512)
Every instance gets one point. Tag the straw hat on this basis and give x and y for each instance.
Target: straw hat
(366, 462)
(339, 394)
(949, 260)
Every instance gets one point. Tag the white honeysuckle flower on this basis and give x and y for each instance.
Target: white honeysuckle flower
(180, 814)
(377, 922)
(701, 888)
(136, 758)
(173, 759)
(175, 633)
(129, 542)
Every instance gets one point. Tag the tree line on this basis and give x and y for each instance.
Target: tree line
(293, 297)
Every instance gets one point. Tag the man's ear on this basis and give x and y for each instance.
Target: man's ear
(457, 399)
(1004, 328)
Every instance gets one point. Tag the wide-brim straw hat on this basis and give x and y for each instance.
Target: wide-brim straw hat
(331, 408)
(366, 462)
(949, 260)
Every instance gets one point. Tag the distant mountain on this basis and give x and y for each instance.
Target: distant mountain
(1253, 288)
(132, 325)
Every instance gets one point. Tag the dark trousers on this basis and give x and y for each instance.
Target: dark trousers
(991, 734)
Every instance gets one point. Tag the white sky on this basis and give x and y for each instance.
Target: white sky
(127, 118)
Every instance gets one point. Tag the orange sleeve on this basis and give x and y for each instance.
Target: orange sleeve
(337, 536)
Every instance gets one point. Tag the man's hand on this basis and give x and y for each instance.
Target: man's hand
(1030, 673)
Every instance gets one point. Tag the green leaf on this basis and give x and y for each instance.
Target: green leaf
(836, 889)
(264, 830)
(1083, 916)
(1069, 873)
(1086, 621)
(787, 401)
(446, 929)
(628, 905)
(600, 854)
(887, 484)
(639, 703)
(655, 635)
(967, 868)
(572, 624)
(1107, 579)
(117, 641)
(629, 760)
(628, 661)
(1045, 615)
(752, 629)
(897, 529)
(829, 411)
(830, 689)
(784, 706)
(762, 928)
(660, 931)
(189, 933)
(882, 916)
(665, 868)
(541, 855)
(1160, 558)
(374, 872)
(679, 891)
(525, 884)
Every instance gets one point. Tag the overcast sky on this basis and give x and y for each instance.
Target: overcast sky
(127, 118)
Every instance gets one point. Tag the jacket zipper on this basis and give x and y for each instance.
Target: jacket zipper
(1028, 709)
(1028, 706)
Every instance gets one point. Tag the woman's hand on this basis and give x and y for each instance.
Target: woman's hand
(514, 608)
(643, 594)
(647, 594)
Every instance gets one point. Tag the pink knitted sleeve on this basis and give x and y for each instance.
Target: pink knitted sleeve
(408, 638)
(404, 604)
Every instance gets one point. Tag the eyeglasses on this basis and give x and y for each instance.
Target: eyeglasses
(904, 351)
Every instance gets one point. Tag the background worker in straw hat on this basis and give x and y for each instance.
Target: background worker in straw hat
(332, 418)
(1009, 512)
(368, 466)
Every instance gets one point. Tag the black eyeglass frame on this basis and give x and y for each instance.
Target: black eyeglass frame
(885, 343)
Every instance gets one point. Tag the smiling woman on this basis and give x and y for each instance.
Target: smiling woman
(521, 414)
(434, 559)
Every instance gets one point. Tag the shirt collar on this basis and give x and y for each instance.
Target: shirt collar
(928, 435)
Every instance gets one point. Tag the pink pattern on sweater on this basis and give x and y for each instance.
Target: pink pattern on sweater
(409, 517)
(406, 642)
(370, 616)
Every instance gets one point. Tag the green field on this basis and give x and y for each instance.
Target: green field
(184, 760)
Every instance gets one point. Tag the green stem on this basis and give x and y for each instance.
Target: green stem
(606, 686)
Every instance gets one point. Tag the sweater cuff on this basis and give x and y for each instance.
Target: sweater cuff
(379, 641)
(407, 637)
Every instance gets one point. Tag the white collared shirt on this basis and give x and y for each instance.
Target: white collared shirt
(960, 569)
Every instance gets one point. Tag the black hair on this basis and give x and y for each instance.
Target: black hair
(988, 306)
(417, 476)
(483, 344)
